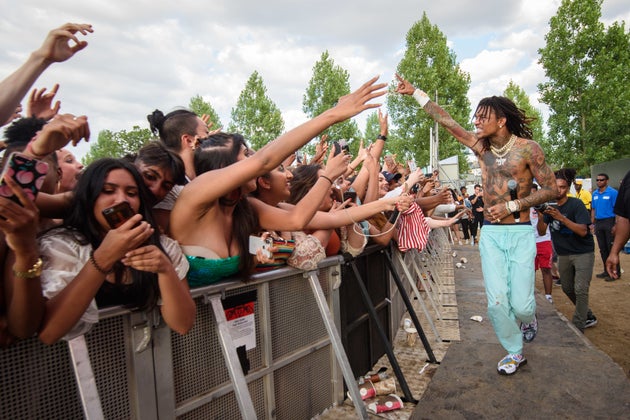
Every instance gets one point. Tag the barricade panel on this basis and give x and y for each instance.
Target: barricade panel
(108, 346)
(37, 382)
(304, 389)
(294, 317)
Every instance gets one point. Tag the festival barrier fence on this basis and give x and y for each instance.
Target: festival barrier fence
(271, 348)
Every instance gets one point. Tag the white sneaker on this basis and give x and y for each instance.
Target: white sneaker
(510, 363)
(549, 298)
(467, 241)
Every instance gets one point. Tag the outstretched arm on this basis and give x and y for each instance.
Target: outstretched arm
(354, 214)
(442, 117)
(55, 49)
(300, 214)
(198, 195)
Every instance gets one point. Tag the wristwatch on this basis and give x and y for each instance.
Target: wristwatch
(34, 271)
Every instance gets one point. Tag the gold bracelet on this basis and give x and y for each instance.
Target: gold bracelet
(34, 271)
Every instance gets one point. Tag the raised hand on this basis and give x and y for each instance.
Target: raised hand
(336, 165)
(356, 102)
(382, 122)
(320, 150)
(56, 47)
(60, 131)
(404, 87)
(40, 103)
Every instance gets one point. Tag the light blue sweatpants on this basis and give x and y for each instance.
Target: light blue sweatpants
(507, 261)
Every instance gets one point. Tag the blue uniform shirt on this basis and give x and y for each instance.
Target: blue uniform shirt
(604, 203)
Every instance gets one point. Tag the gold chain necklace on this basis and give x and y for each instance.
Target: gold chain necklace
(501, 152)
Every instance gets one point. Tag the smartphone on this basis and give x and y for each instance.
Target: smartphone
(256, 243)
(412, 165)
(352, 195)
(340, 146)
(337, 195)
(118, 214)
(27, 172)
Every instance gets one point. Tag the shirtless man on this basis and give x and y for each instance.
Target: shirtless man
(507, 158)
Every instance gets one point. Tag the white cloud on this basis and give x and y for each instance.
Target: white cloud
(145, 54)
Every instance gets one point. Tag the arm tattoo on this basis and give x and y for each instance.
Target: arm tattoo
(443, 118)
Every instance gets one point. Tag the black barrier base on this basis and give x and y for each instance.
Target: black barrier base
(410, 308)
(381, 332)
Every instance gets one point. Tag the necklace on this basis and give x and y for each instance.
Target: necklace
(501, 152)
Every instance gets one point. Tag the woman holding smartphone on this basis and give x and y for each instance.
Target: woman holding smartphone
(87, 264)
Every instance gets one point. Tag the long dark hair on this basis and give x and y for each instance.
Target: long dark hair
(172, 126)
(516, 121)
(219, 151)
(304, 178)
(144, 290)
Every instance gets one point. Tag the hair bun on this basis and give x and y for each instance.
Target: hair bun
(156, 121)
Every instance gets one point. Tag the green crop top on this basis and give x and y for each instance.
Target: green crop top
(205, 271)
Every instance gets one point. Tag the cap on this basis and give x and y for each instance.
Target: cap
(390, 176)
(578, 181)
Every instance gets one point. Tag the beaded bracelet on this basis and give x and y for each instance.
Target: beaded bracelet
(98, 267)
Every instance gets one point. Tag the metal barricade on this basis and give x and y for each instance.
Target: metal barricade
(131, 365)
(294, 369)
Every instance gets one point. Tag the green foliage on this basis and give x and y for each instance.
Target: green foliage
(255, 116)
(328, 84)
(430, 65)
(587, 89)
(201, 108)
(117, 144)
(520, 98)
(372, 128)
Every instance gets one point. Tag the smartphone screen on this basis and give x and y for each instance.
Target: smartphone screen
(352, 195)
(28, 173)
(118, 214)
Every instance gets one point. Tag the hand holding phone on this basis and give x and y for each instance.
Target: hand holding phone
(351, 195)
(28, 173)
(341, 145)
(256, 243)
(118, 214)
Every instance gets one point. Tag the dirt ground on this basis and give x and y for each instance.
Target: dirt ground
(610, 302)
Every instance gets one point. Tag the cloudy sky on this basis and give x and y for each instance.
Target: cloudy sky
(149, 54)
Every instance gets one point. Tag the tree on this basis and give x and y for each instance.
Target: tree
(587, 70)
(201, 107)
(328, 84)
(117, 144)
(430, 65)
(520, 98)
(255, 116)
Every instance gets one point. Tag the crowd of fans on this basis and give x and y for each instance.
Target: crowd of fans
(182, 211)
